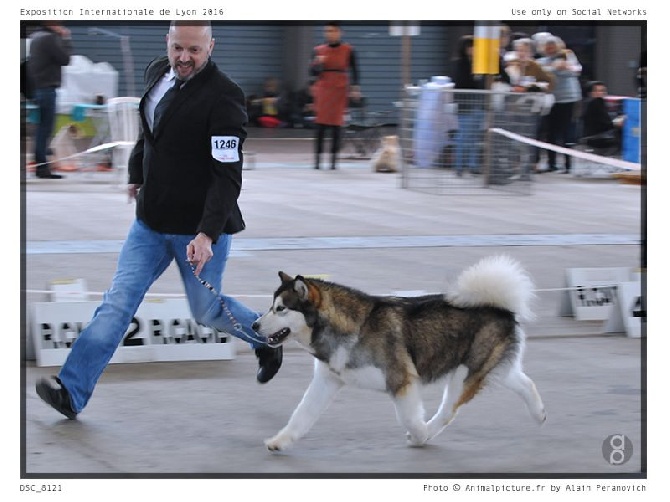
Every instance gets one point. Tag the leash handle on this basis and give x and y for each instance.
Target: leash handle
(236, 324)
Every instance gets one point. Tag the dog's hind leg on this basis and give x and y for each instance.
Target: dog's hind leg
(410, 413)
(447, 411)
(317, 397)
(520, 383)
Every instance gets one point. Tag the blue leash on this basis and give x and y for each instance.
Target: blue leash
(236, 324)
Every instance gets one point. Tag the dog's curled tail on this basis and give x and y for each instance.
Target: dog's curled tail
(498, 281)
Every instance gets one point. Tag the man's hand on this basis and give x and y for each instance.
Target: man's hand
(132, 190)
(199, 251)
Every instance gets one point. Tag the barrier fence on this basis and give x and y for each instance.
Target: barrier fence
(475, 141)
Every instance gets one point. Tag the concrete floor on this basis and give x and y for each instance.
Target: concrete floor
(206, 419)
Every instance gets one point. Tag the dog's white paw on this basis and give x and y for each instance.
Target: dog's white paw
(541, 417)
(278, 442)
(417, 438)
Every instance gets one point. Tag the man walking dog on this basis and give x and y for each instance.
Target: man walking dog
(185, 174)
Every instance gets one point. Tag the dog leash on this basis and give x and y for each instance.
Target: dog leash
(236, 324)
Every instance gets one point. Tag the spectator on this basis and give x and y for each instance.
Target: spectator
(505, 50)
(505, 40)
(470, 108)
(567, 91)
(599, 129)
(268, 104)
(527, 75)
(332, 88)
(539, 40)
(50, 50)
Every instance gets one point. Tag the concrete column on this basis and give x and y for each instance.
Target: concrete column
(297, 49)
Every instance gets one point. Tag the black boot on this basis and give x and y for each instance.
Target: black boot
(269, 362)
(46, 174)
(320, 136)
(335, 147)
(52, 392)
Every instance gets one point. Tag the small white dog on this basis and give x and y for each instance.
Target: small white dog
(387, 158)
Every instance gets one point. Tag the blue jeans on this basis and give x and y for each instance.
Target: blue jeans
(468, 139)
(45, 100)
(145, 255)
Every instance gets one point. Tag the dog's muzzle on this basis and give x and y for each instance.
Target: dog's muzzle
(277, 338)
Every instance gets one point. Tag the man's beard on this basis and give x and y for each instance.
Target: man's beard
(190, 65)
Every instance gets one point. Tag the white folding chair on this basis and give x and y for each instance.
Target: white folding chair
(124, 128)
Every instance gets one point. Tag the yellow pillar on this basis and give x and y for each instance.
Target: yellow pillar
(486, 49)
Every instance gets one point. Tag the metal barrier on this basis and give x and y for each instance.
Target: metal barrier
(448, 145)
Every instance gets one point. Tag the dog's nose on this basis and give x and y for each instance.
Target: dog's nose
(255, 326)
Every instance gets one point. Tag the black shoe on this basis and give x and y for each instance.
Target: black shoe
(269, 362)
(48, 176)
(55, 395)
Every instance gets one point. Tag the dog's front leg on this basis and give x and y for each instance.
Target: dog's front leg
(317, 397)
(410, 412)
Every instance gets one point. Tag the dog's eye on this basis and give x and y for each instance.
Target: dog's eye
(280, 308)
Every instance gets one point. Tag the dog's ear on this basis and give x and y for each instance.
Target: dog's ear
(307, 290)
(285, 277)
(301, 288)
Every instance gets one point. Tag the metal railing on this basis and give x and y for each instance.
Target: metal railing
(450, 144)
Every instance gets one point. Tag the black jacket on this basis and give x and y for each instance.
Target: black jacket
(464, 79)
(596, 118)
(49, 52)
(185, 190)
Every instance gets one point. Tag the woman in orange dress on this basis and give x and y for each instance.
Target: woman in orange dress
(332, 88)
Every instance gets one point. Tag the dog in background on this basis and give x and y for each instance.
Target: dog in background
(387, 157)
(64, 147)
(463, 339)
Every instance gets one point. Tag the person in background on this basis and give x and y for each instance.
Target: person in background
(567, 91)
(470, 108)
(332, 88)
(527, 75)
(505, 40)
(600, 130)
(50, 51)
(505, 52)
(185, 175)
(267, 106)
(539, 40)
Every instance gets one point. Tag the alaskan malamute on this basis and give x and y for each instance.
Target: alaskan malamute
(464, 338)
